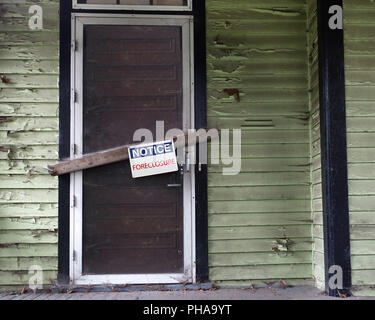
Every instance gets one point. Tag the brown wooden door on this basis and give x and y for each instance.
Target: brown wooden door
(132, 77)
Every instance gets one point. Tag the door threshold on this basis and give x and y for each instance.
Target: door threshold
(131, 288)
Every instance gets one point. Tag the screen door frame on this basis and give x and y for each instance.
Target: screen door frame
(79, 20)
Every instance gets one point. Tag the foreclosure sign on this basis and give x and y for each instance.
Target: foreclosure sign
(152, 159)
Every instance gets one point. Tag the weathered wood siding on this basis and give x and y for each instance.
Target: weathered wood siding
(260, 224)
(29, 130)
(359, 30)
(316, 174)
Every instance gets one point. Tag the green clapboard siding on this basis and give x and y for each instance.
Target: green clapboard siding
(359, 24)
(29, 130)
(261, 227)
(316, 175)
(260, 223)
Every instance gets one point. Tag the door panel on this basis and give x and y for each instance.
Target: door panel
(132, 77)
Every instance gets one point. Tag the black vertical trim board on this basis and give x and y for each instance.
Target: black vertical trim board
(334, 147)
(64, 134)
(200, 122)
(64, 140)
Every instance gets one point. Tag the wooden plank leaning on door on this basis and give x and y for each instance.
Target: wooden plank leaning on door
(118, 154)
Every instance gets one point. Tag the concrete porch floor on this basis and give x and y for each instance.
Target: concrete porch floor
(293, 293)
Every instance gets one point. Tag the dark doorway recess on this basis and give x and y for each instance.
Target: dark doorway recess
(64, 132)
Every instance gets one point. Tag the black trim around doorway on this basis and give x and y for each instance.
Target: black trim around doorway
(64, 133)
(64, 141)
(334, 148)
(200, 73)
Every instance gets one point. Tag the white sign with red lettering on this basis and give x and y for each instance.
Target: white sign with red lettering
(152, 159)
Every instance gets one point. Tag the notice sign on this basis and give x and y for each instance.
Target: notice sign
(152, 159)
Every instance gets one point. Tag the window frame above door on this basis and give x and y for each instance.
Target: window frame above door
(188, 7)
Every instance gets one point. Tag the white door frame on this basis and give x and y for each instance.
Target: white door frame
(78, 22)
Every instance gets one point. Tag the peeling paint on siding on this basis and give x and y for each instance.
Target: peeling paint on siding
(254, 46)
(28, 139)
(260, 220)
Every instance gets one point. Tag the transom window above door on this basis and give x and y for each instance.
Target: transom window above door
(176, 5)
